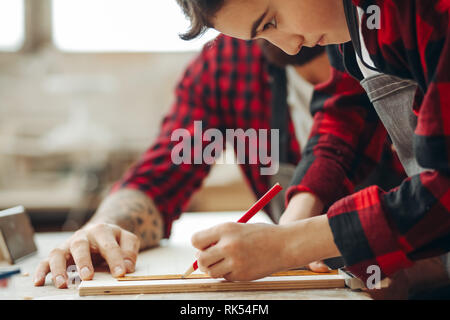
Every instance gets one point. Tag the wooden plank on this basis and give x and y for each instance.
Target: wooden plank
(112, 286)
(205, 276)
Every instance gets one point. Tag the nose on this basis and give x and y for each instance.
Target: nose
(290, 44)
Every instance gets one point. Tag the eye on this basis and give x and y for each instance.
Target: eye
(271, 24)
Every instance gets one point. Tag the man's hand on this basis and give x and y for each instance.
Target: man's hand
(238, 251)
(94, 243)
(243, 252)
(126, 222)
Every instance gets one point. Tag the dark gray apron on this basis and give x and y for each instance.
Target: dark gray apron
(393, 99)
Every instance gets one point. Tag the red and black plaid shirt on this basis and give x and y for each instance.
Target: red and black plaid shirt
(374, 227)
(227, 86)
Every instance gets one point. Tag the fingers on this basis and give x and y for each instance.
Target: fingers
(81, 253)
(217, 253)
(129, 243)
(41, 272)
(206, 259)
(106, 240)
(118, 247)
(220, 270)
(204, 239)
(58, 262)
(318, 266)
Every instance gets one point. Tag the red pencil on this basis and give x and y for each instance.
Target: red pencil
(261, 203)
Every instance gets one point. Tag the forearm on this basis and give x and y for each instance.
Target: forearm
(134, 211)
(302, 206)
(308, 240)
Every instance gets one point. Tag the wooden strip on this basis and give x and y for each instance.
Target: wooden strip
(303, 273)
(205, 276)
(112, 287)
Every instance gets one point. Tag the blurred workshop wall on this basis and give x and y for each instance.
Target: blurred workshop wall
(71, 123)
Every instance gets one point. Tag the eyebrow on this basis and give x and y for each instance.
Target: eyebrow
(257, 23)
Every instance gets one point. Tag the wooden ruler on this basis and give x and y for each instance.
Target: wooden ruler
(173, 283)
(205, 276)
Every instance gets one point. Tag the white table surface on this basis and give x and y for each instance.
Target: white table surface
(172, 257)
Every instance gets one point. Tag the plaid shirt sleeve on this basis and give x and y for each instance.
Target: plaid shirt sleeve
(393, 229)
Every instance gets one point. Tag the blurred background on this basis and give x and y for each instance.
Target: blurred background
(84, 85)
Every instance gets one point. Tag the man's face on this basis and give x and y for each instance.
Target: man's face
(288, 24)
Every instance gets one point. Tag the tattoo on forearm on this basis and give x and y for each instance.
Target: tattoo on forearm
(134, 211)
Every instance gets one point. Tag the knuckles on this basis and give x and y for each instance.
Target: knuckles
(110, 246)
(99, 228)
(77, 242)
(223, 230)
(57, 252)
(228, 227)
(133, 238)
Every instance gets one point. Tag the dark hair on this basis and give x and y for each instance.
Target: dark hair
(199, 12)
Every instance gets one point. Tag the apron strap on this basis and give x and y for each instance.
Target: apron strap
(279, 107)
(351, 15)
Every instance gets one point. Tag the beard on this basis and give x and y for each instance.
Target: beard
(278, 57)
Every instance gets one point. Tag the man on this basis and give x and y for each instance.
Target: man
(396, 53)
(228, 85)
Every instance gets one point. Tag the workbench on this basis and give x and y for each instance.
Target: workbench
(173, 256)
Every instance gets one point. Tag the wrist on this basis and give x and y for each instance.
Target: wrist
(134, 211)
(307, 241)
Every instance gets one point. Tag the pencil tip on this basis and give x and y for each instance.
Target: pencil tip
(188, 272)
